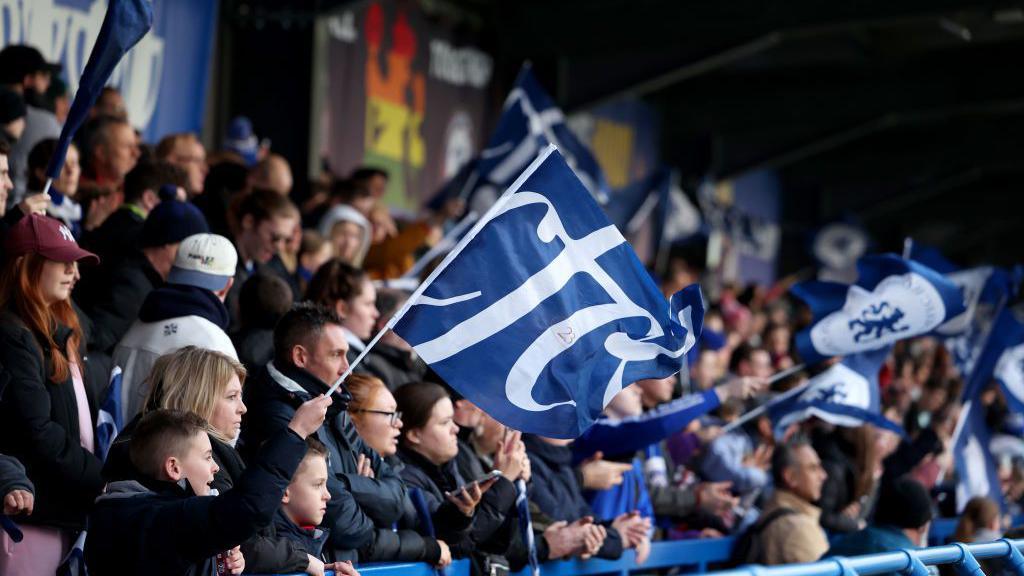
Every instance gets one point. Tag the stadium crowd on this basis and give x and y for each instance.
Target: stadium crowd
(230, 307)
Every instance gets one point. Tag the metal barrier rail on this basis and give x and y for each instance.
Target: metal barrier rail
(693, 555)
(963, 557)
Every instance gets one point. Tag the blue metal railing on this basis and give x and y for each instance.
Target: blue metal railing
(963, 557)
(693, 556)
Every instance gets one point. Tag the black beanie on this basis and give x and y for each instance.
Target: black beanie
(903, 503)
(12, 106)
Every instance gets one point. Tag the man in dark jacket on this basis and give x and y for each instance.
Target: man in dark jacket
(113, 298)
(309, 354)
(266, 220)
(157, 525)
(265, 298)
(556, 490)
(120, 232)
(902, 519)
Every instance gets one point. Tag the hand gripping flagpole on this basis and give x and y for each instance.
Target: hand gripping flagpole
(487, 217)
(750, 415)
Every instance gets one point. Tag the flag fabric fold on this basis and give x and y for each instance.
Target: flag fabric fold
(564, 317)
(125, 23)
(529, 121)
(110, 419)
(845, 394)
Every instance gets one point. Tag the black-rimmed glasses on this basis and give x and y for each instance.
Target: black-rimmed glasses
(393, 417)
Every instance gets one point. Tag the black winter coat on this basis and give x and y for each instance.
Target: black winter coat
(160, 528)
(404, 544)
(556, 491)
(449, 523)
(360, 504)
(263, 553)
(113, 301)
(39, 426)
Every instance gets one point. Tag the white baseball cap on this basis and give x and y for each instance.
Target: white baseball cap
(204, 261)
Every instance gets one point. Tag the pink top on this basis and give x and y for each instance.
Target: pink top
(86, 435)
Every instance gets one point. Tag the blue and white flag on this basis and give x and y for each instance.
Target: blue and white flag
(74, 563)
(124, 24)
(1001, 350)
(110, 420)
(893, 299)
(654, 214)
(529, 121)
(976, 470)
(543, 312)
(846, 394)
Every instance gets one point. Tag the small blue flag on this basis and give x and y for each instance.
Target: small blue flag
(893, 299)
(526, 526)
(653, 214)
(125, 23)
(845, 394)
(1009, 371)
(976, 470)
(1000, 346)
(110, 420)
(563, 319)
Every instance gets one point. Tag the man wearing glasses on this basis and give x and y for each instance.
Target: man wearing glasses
(309, 355)
(266, 220)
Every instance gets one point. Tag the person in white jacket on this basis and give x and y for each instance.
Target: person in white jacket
(187, 310)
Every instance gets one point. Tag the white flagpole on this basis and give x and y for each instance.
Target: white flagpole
(487, 217)
(785, 395)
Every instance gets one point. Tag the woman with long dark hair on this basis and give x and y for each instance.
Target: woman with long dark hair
(47, 415)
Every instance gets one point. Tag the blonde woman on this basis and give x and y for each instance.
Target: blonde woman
(206, 383)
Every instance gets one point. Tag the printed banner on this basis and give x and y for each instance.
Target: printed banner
(403, 96)
(163, 78)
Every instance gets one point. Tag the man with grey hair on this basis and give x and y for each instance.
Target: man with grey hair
(789, 530)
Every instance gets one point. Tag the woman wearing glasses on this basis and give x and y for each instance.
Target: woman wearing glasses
(376, 417)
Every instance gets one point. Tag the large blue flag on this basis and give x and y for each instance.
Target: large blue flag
(125, 23)
(893, 299)
(543, 313)
(529, 121)
(845, 394)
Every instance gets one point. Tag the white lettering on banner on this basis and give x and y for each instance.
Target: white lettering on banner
(66, 34)
(459, 66)
(577, 256)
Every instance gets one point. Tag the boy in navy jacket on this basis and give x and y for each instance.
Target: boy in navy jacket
(165, 523)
